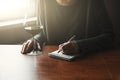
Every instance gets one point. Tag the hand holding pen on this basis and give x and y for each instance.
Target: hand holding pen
(66, 43)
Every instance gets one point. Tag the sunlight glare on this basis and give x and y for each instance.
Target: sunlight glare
(13, 7)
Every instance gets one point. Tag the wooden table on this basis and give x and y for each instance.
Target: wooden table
(16, 66)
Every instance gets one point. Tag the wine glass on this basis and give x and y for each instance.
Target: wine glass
(33, 30)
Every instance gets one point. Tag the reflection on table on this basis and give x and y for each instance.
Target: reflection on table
(16, 66)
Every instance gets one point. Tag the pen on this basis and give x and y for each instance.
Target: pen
(71, 38)
(68, 41)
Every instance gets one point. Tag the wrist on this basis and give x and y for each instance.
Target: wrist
(75, 45)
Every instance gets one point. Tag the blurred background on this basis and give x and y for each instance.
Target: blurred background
(14, 13)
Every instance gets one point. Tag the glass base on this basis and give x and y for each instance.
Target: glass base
(34, 53)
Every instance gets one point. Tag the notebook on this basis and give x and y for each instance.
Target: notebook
(62, 56)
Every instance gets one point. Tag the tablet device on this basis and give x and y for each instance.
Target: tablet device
(62, 56)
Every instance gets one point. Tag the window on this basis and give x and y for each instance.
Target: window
(14, 11)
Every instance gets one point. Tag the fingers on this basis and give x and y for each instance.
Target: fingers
(60, 48)
(63, 47)
(27, 47)
(39, 47)
(23, 51)
(67, 48)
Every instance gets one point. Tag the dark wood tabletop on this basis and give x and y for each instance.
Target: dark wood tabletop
(16, 66)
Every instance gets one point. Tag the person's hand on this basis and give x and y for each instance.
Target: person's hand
(29, 45)
(69, 47)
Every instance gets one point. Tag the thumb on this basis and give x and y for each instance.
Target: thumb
(39, 47)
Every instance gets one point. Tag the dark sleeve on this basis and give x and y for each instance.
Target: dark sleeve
(98, 43)
(40, 38)
(105, 37)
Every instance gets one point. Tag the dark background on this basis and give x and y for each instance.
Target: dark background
(16, 34)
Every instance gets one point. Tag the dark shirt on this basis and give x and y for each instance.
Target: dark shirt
(87, 20)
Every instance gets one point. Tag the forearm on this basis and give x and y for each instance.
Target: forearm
(98, 43)
(40, 38)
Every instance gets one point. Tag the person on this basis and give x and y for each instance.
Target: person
(86, 19)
